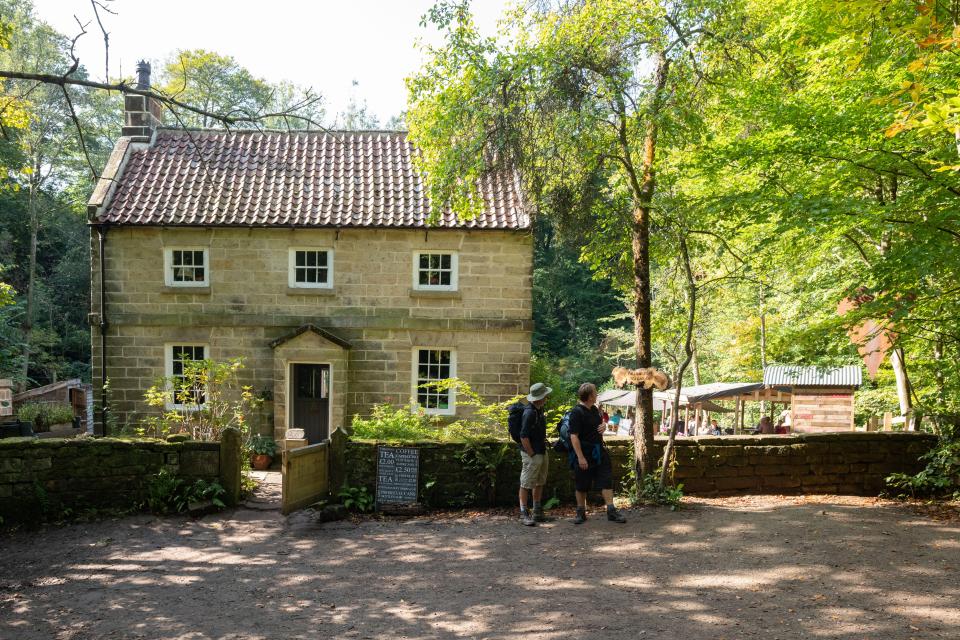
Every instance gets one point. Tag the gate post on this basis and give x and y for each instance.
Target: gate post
(230, 464)
(338, 451)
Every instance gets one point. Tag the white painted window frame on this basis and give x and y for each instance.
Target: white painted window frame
(168, 368)
(292, 266)
(454, 271)
(168, 267)
(451, 409)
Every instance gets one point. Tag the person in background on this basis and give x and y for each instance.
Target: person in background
(616, 417)
(715, 428)
(592, 467)
(533, 454)
(765, 426)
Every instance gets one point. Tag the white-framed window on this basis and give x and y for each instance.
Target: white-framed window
(311, 268)
(429, 365)
(177, 356)
(186, 267)
(435, 271)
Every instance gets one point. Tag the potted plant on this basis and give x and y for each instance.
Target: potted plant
(262, 449)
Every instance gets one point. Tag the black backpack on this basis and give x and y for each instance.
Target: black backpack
(515, 420)
(563, 445)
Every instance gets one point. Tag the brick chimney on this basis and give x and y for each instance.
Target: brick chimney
(141, 115)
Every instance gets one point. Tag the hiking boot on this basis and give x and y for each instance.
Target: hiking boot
(526, 519)
(539, 515)
(615, 516)
(581, 516)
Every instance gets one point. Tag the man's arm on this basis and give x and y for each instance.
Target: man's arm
(526, 427)
(575, 441)
(525, 443)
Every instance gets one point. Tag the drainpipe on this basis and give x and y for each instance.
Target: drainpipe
(102, 238)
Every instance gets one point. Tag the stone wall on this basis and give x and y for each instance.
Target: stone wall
(838, 463)
(488, 321)
(88, 472)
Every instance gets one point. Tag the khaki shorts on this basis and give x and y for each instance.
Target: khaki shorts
(534, 472)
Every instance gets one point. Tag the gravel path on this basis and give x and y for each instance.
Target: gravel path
(763, 567)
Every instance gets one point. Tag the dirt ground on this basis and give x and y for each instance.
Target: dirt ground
(761, 567)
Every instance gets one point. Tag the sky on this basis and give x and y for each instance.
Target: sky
(324, 44)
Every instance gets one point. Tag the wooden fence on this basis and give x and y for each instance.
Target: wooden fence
(306, 476)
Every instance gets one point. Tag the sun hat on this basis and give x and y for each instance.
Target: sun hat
(538, 391)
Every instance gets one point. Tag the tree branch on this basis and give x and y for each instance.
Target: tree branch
(128, 89)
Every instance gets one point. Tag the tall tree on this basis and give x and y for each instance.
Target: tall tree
(578, 101)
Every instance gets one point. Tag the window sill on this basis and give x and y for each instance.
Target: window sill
(429, 293)
(204, 290)
(311, 291)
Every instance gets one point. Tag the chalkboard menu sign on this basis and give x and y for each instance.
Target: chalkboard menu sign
(398, 469)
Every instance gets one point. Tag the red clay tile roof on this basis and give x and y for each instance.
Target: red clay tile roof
(311, 179)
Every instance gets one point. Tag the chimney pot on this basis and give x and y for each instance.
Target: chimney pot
(143, 75)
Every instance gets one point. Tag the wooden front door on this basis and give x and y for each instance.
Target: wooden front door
(311, 400)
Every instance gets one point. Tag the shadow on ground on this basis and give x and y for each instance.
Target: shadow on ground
(766, 568)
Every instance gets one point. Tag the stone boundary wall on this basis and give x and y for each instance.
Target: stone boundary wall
(93, 472)
(852, 463)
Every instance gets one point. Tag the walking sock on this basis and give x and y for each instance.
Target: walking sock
(536, 506)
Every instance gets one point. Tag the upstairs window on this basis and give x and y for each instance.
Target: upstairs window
(186, 267)
(311, 268)
(431, 365)
(435, 271)
(179, 357)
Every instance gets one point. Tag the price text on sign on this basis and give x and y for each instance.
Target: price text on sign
(398, 469)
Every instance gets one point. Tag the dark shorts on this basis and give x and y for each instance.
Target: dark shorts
(598, 476)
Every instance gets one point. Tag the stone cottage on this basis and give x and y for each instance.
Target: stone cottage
(310, 255)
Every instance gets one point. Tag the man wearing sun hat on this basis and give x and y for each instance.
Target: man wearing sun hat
(533, 454)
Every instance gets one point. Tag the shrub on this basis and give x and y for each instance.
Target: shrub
(941, 476)
(42, 415)
(487, 421)
(166, 493)
(212, 399)
(651, 493)
(356, 499)
(395, 424)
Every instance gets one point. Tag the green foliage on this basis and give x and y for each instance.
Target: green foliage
(941, 476)
(483, 459)
(166, 493)
(162, 491)
(219, 85)
(211, 399)
(395, 425)
(262, 445)
(42, 414)
(485, 421)
(552, 503)
(650, 492)
(573, 304)
(356, 499)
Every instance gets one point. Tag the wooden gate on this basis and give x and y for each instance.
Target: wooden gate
(306, 476)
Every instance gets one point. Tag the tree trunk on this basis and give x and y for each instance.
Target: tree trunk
(27, 325)
(688, 349)
(898, 362)
(643, 430)
(695, 363)
(939, 377)
(763, 344)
